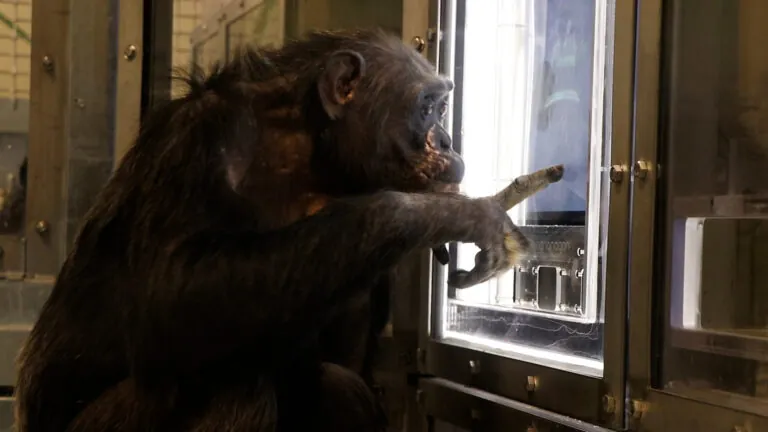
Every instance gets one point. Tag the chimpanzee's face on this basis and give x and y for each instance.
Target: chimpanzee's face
(387, 107)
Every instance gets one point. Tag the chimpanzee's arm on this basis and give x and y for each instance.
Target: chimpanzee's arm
(234, 292)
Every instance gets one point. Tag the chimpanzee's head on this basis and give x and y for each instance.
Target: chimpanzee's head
(385, 105)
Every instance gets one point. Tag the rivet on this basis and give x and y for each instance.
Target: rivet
(47, 64)
(130, 52)
(616, 173)
(609, 404)
(641, 169)
(532, 383)
(42, 227)
(638, 408)
(474, 367)
(418, 43)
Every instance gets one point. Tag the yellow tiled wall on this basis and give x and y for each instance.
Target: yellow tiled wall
(15, 51)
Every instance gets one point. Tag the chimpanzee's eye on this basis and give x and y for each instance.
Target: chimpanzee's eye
(443, 109)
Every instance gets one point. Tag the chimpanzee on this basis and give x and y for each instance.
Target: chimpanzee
(223, 279)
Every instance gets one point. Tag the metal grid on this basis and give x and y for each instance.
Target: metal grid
(15, 31)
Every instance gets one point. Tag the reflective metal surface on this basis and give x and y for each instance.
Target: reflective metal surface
(475, 410)
(508, 371)
(715, 222)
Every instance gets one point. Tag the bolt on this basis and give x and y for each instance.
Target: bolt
(474, 367)
(641, 169)
(418, 43)
(47, 64)
(475, 414)
(130, 52)
(42, 227)
(609, 404)
(638, 408)
(616, 173)
(80, 103)
(532, 383)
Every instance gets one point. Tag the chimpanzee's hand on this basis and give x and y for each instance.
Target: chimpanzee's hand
(499, 240)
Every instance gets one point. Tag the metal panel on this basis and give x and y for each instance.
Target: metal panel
(535, 384)
(642, 250)
(20, 304)
(477, 410)
(71, 124)
(129, 66)
(6, 414)
(48, 132)
(667, 412)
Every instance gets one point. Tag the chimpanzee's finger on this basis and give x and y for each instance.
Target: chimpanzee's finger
(483, 271)
(442, 255)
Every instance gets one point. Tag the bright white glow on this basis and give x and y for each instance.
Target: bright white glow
(505, 42)
(498, 67)
(694, 248)
(536, 355)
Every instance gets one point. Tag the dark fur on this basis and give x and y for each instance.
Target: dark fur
(223, 281)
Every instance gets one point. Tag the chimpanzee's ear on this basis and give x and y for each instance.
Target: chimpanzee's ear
(338, 81)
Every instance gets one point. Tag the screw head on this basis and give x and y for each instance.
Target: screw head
(130, 52)
(641, 169)
(47, 63)
(418, 43)
(616, 173)
(532, 383)
(609, 404)
(42, 227)
(474, 366)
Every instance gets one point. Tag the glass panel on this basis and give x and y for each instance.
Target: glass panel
(530, 91)
(717, 200)
(187, 14)
(15, 47)
(262, 26)
(209, 51)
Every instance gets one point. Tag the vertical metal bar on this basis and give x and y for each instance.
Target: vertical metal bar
(130, 59)
(646, 133)
(158, 53)
(619, 110)
(430, 301)
(48, 131)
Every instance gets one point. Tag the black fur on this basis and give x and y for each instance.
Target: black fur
(223, 279)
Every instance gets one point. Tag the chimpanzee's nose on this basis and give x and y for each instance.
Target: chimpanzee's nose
(445, 142)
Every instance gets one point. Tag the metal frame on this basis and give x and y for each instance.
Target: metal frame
(478, 410)
(130, 62)
(601, 401)
(658, 410)
(643, 216)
